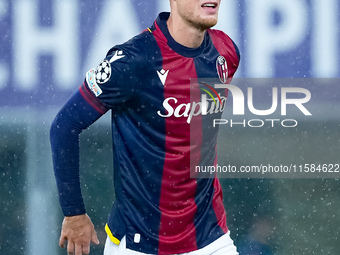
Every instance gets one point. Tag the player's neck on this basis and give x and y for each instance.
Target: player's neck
(185, 34)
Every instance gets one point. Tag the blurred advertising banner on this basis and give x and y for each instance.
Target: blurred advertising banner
(47, 46)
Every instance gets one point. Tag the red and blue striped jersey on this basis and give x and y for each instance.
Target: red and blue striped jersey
(159, 136)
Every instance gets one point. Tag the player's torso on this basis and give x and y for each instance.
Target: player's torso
(158, 137)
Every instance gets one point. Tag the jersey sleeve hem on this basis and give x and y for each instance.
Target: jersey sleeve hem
(73, 211)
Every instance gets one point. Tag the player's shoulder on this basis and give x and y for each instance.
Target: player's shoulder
(221, 38)
(135, 49)
(219, 35)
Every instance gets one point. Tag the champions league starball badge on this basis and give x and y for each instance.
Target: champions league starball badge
(103, 72)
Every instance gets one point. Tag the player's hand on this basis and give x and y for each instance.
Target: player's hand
(79, 232)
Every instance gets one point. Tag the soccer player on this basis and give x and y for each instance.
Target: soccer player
(159, 134)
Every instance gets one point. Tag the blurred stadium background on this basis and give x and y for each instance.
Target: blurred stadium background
(46, 46)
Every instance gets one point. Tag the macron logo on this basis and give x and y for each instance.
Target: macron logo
(162, 74)
(117, 55)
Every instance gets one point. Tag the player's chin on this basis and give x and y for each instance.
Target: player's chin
(208, 22)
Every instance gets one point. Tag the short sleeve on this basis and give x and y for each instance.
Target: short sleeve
(113, 80)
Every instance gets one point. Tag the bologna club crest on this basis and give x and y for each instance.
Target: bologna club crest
(222, 69)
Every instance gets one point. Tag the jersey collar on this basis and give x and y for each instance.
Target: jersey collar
(179, 48)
